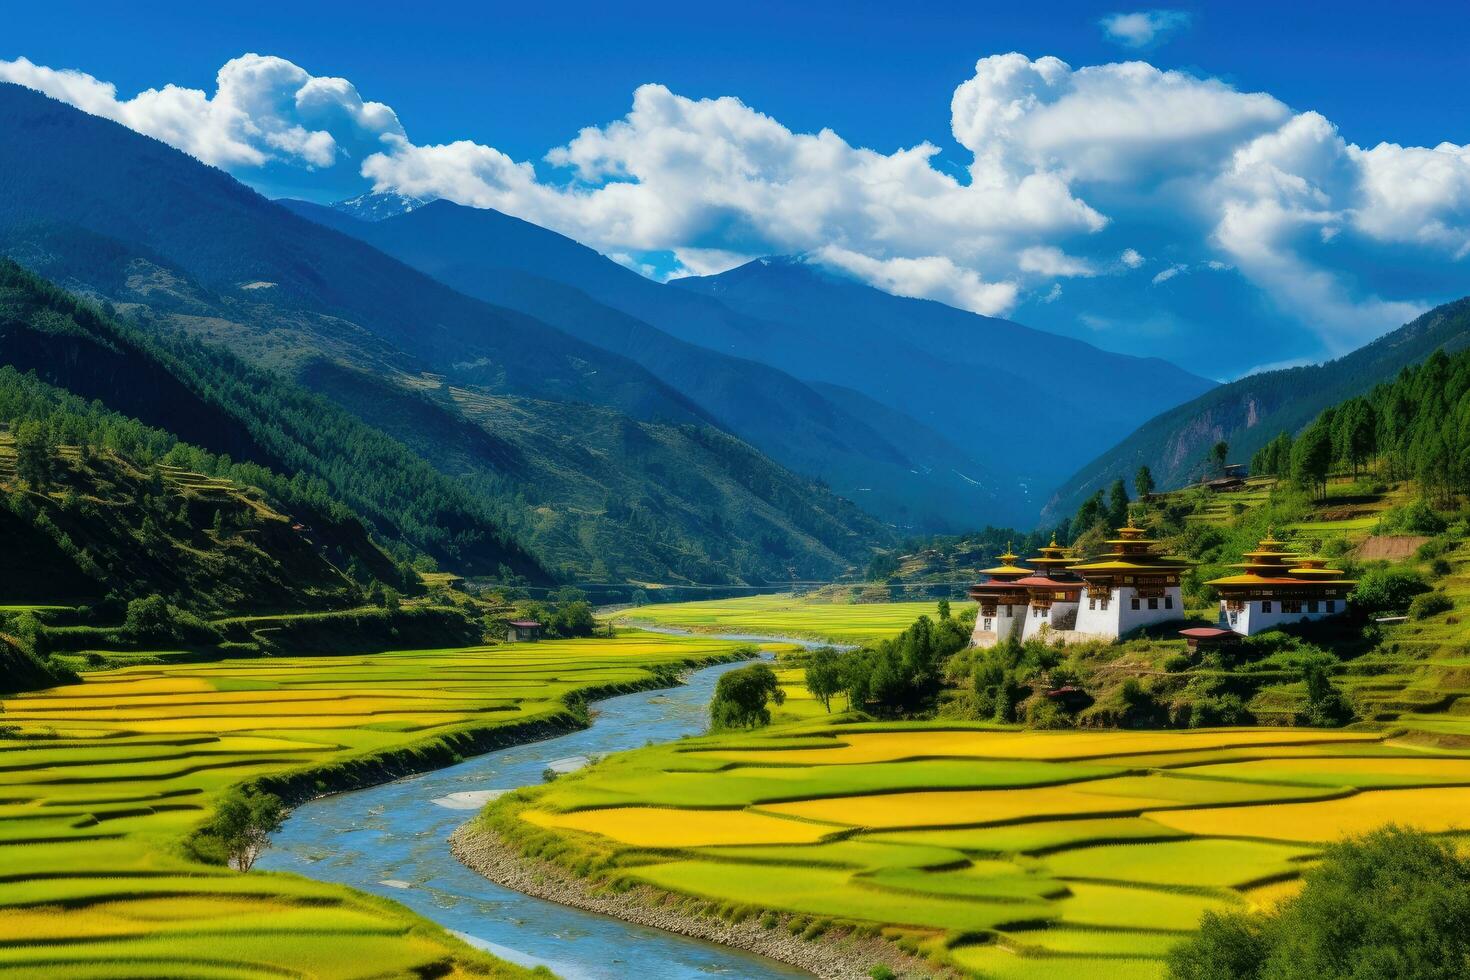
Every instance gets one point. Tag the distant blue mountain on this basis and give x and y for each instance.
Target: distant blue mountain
(1027, 402)
(895, 466)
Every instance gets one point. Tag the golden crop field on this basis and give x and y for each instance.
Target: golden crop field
(1007, 853)
(100, 783)
(786, 615)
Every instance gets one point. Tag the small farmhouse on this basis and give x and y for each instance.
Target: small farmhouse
(522, 631)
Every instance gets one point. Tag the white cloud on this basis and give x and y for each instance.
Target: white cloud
(1142, 28)
(264, 109)
(1048, 260)
(1064, 164)
(930, 277)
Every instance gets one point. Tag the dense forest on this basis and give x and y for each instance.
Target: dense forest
(246, 424)
(1249, 412)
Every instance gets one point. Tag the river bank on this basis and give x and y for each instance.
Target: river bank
(389, 840)
(834, 955)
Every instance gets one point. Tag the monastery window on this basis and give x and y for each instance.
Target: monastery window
(1291, 605)
(1135, 602)
(1128, 579)
(1234, 617)
(1105, 605)
(1168, 602)
(1091, 603)
(1332, 605)
(986, 627)
(1153, 603)
(1266, 606)
(1311, 605)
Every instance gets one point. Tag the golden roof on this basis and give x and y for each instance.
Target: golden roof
(1008, 565)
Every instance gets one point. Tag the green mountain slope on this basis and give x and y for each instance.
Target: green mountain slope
(895, 466)
(90, 203)
(106, 523)
(213, 400)
(179, 248)
(1250, 412)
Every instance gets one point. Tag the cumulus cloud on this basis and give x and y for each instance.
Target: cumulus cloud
(1064, 166)
(264, 109)
(1143, 28)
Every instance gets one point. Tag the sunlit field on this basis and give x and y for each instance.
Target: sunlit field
(786, 615)
(100, 782)
(1014, 854)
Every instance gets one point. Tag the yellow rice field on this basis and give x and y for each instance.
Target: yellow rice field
(1028, 855)
(101, 781)
(785, 615)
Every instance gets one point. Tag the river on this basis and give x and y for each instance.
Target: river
(391, 840)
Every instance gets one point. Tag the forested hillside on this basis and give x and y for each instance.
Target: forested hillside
(1250, 412)
(179, 248)
(1418, 424)
(895, 466)
(189, 392)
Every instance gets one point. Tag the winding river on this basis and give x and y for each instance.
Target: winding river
(391, 840)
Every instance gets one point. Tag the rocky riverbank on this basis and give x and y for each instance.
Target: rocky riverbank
(836, 955)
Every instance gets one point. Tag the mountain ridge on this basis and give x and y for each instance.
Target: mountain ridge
(900, 473)
(1249, 412)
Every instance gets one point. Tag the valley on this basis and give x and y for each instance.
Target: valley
(668, 547)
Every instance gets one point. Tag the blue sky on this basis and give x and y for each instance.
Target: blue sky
(1279, 226)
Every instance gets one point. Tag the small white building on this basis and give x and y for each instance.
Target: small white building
(1054, 594)
(1131, 586)
(1004, 604)
(1278, 588)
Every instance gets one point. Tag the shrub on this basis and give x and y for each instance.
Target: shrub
(1430, 604)
(1395, 903)
(1385, 589)
(881, 972)
(1415, 518)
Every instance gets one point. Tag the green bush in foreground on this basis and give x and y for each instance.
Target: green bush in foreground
(1430, 604)
(1395, 903)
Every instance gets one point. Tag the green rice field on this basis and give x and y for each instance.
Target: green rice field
(102, 781)
(786, 615)
(1002, 852)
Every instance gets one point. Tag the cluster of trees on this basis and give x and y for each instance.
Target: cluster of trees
(1418, 425)
(895, 677)
(566, 614)
(1394, 903)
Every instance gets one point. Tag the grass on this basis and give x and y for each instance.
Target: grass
(101, 781)
(786, 615)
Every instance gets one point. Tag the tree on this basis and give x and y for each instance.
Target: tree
(742, 695)
(1394, 903)
(1143, 482)
(824, 675)
(243, 822)
(151, 618)
(1311, 458)
(1219, 454)
(1117, 504)
(1326, 706)
(943, 608)
(35, 454)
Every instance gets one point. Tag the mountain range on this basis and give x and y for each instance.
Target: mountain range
(564, 416)
(595, 465)
(876, 394)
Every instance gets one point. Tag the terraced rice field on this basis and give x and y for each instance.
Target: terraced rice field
(101, 781)
(786, 615)
(1008, 853)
